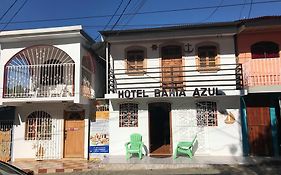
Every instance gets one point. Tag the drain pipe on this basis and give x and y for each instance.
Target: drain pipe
(107, 65)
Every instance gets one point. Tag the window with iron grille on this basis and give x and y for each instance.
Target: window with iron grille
(206, 113)
(207, 59)
(128, 115)
(38, 126)
(135, 61)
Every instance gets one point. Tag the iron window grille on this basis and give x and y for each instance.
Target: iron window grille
(128, 115)
(206, 113)
(38, 126)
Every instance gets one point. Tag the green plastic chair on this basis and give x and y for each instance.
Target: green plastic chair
(185, 148)
(134, 146)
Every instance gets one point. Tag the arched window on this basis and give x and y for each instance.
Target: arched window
(38, 126)
(34, 66)
(265, 49)
(135, 60)
(207, 57)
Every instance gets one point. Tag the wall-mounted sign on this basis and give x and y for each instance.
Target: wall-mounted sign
(198, 92)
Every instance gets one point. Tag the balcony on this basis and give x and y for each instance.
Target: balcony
(39, 81)
(262, 73)
(227, 78)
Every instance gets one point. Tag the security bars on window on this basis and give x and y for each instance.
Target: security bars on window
(128, 115)
(206, 113)
(39, 126)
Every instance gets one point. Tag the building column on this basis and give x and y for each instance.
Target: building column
(244, 127)
(274, 132)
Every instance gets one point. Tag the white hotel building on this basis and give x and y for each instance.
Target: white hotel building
(170, 84)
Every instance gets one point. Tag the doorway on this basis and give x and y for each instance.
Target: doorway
(74, 126)
(260, 140)
(160, 137)
(171, 65)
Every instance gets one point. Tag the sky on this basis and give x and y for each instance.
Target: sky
(99, 15)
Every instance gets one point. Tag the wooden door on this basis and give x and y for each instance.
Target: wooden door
(259, 131)
(74, 127)
(6, 140)
(171, 65)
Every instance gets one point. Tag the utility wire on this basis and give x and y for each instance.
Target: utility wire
(121, 14)
(144, 13)
(8, 10)
(214, 11)
(250, 10)
(23, 4)
(111, 17)
(135, 11)
(240, 14)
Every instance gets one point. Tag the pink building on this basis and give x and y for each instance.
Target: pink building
(258, 49)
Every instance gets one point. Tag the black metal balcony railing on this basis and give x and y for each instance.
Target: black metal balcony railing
(224, 77)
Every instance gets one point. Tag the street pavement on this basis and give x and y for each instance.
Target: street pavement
(267, 168)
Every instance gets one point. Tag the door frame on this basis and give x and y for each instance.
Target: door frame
(65, 119)
(170, 125)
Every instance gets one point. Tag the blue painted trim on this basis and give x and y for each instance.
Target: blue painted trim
(244, 126)
(274, 132)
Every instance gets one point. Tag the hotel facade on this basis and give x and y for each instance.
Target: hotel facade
(172, 84)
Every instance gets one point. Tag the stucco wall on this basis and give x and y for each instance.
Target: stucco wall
(224, 139)
(226, 52)
(26, 148)
(247, 39)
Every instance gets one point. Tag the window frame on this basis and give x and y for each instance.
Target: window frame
(135, 71)
(265, 45)
(132, 118)
(207, 121)
(208, 67)
(33, 126)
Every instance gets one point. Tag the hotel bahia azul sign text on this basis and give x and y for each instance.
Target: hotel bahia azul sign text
(198, 92)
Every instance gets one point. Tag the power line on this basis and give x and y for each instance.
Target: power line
(4, 14)
(214, 11)
(112, 17)
(23, 4)
(121, 15)
(135, 10)
(242, 9)
(249, 14)
(144, 13)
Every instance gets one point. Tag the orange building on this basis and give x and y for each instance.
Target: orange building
(258, 44)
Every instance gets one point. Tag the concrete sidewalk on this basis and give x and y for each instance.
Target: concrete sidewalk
(119, 163)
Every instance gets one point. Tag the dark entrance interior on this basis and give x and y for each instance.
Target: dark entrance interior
(159, 129)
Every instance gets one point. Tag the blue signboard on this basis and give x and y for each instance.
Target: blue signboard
(99, 149)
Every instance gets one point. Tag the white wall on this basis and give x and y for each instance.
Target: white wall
(226, 54)
(224, 139)
(26, 148)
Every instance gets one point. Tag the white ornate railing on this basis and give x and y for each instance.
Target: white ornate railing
(262, 72)
(45, 80)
